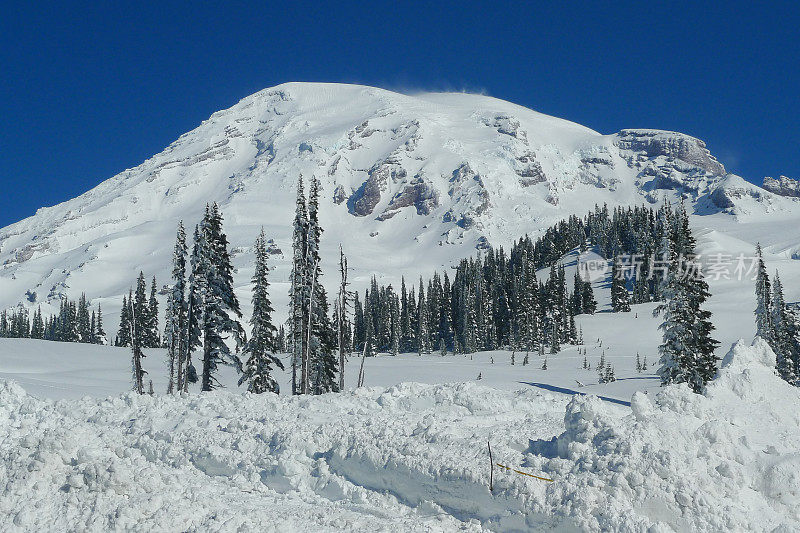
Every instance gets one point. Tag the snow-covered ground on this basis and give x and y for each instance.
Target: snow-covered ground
(410, 457)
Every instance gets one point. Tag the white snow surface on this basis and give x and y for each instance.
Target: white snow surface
(411, 457)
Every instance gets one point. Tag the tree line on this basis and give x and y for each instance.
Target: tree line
(74, 322)
(493, 300)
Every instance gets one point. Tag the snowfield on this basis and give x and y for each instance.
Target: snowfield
(410, 457)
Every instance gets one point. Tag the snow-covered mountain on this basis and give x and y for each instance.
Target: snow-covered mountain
(410, 183)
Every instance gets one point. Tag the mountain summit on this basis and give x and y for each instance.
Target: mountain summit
(410, 182)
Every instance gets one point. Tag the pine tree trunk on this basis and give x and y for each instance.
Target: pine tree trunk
(361, 369)
(206, 383)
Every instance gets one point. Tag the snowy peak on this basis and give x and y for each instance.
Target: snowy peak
(420, 179)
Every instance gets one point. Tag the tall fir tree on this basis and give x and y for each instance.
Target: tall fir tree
(220, 307)
(124, 332)
(687, 350)
(763, 297)
(298, 294)
(176, 331)
(323, 359)
(423, 336)
(261, 347)
(138, 323)
(99, 330)
(195, 301)
(152, 339)
(620, 299)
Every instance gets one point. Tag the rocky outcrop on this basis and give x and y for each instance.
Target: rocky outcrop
(364, 200)
(506, 125)
(733, 194)
(472, 198)
(339, 195)
(671, 145)
(417, 193)
(782, 186)
(529, 170)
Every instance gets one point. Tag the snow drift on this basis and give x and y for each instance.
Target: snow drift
(410, 457)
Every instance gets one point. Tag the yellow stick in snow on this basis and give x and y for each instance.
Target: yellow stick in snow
(523, 473)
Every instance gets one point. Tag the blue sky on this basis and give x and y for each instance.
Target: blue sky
(86, 92)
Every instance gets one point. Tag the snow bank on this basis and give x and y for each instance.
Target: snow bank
(410, 457)
(726, 460)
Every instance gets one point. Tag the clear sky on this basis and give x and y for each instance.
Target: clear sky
(86, 92)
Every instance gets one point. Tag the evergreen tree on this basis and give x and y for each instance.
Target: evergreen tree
(138, 322)
(446, 316)
(83, 325)
(140, 310)
(369, 340)
(785, 341)
(176, 333)
(261, 346)
(322, 335)
(394, 316)
(99, 331)
(124, 332)
(620, 301)
(151, 335)
(195, 298)
(763, 297)
(405, 318)
(298, 294)
(423, 338)
(37, 327)
(359, 323)
(589, 304)
(220, 302)
(687, 350)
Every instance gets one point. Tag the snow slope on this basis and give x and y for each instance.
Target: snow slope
(410, 183)
(410, 457)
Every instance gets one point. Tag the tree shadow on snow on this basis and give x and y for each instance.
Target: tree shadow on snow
(564, 390)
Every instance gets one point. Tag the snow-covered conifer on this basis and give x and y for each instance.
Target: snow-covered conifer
(620, 299)
(261, 347)
(220, 305)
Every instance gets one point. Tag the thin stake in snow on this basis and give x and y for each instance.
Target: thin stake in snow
(491, 468)
(360, 382)
(524, 473)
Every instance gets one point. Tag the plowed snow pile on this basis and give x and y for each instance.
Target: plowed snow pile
(408, 458)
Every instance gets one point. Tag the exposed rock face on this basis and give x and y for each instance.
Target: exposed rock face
(722, 198)
(671, 145)
(364, 200)
(507, 125)
(418, 193)
(468, 188)
(530, 170)
(339, 195)
(783, 186)
(736, 196)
